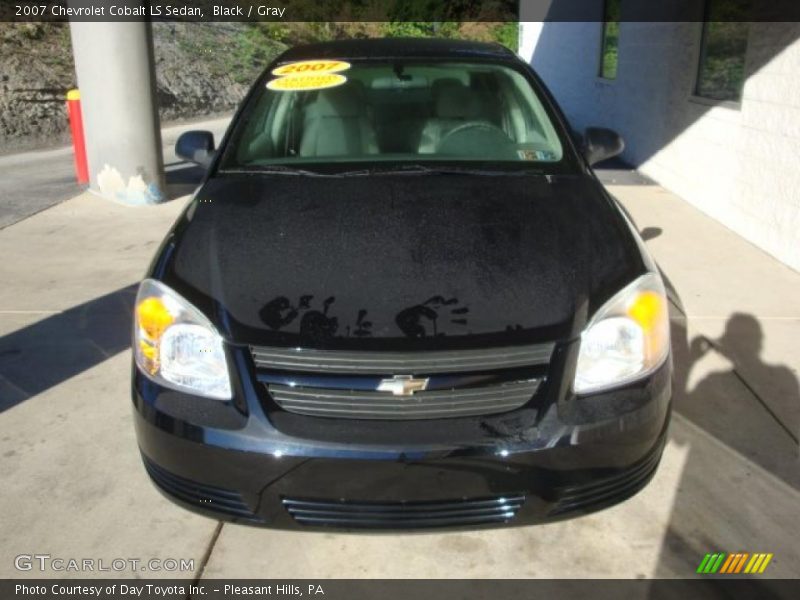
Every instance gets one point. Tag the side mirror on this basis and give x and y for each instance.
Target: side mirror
(196, 147)
(600, 143)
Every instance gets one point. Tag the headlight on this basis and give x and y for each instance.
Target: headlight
(176, 346)
(627, 339)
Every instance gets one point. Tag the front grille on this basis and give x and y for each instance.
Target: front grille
(402, 515)
(199, 495)
(344, 384)
(400, 363)
(422, 405)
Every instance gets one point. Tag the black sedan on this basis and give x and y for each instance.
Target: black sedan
(400, 299)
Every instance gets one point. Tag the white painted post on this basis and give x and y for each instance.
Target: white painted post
(116, 78)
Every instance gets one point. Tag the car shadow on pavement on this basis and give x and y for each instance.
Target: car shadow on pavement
(42, 355)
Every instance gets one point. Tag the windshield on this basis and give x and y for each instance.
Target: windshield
(318, 112)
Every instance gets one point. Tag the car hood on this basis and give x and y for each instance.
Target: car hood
(399, 261)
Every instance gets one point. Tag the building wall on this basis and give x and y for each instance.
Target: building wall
(739, 164)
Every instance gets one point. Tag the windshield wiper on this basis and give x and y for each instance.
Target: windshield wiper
(416, 169)
(279, 170)
(405, 169)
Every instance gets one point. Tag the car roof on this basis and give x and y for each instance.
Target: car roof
(397, 48)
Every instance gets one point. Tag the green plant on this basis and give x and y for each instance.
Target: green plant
(251, 50)
(507, 34)
(447, 29)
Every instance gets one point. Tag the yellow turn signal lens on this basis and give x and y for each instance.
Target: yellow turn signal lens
(647, 310)
(153, 317)
(149, 351)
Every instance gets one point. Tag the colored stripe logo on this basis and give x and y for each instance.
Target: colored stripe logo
(737, 562)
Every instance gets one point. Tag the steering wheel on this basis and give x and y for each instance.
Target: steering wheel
(474, 138)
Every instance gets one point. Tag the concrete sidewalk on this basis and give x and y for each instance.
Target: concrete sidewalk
(729, 480)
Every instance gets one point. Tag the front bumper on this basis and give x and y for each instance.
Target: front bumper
(235, 461)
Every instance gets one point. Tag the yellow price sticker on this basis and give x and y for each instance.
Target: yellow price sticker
(311, 66)
(305, 82)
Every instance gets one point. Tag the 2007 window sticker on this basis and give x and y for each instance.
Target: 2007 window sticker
(308, 75)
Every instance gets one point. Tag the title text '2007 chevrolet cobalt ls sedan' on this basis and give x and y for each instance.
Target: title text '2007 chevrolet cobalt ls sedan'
(400, 299)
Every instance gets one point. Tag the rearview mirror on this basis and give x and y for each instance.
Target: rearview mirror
(600, 143)
(196, 147)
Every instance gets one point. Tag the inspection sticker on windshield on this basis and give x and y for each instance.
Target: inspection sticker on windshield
(306, 81)
(312, 66)
(536, 155)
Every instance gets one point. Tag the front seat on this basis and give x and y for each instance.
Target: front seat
(453, 104)
(336, 124)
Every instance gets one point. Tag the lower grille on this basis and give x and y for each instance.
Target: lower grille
(422, 405)
(396, 515)
(199, 495)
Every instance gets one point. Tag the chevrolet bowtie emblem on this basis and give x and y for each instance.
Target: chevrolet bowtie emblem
(402, 385)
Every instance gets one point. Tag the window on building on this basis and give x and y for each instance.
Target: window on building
(609, 52)
(720, 75)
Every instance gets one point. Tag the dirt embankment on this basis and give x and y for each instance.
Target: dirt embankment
(201, 69)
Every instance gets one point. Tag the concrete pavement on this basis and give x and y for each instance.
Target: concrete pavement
(68, 461)
(34, 181)
(729, 480)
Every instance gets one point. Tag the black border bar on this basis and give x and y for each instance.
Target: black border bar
(704, 588)
(386, 10)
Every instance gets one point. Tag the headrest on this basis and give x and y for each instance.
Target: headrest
(453, 100)
(343, 101)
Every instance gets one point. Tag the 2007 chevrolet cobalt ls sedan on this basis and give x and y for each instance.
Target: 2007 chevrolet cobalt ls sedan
(400, 299)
